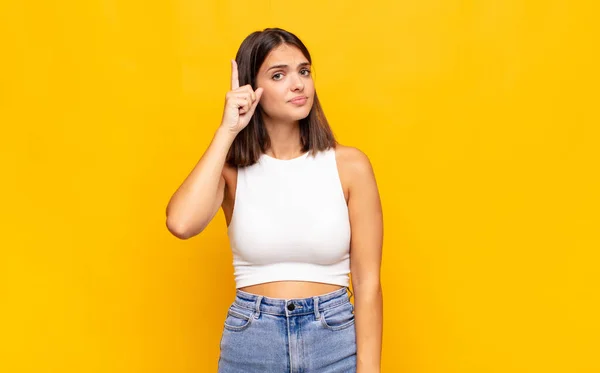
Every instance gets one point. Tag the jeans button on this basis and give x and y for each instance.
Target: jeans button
(291, 306)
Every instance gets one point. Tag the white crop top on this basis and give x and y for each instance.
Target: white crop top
(290, 222)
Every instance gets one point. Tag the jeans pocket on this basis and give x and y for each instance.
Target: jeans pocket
(339, 317)
(238, 318)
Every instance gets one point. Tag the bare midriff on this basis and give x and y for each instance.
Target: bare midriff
(290, 289)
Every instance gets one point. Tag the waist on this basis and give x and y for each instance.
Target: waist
(291, 289)
(291, 306)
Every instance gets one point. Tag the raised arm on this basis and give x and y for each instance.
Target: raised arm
(197, 200)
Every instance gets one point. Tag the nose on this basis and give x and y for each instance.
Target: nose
(297, 83)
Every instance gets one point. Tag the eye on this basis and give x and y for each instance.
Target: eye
(305, 70)
(274, 77)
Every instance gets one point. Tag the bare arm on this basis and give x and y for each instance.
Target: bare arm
(197, 200)
(366, 219)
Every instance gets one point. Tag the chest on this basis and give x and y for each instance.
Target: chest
(280, 189)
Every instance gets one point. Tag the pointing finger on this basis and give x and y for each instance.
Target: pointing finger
(235, 83)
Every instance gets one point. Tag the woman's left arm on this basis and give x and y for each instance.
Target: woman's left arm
(366, 221)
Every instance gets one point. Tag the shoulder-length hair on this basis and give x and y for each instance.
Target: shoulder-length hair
(251, 142)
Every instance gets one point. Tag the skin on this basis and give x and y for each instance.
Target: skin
(360, 190)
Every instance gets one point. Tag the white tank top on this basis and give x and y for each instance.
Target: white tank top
(290, 222)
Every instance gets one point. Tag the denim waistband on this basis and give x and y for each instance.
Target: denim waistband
(292, 306)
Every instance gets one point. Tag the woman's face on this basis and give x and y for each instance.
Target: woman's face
(286, 78)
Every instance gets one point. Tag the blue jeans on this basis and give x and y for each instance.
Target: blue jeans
(273, 335)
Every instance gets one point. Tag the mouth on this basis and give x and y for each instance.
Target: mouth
(299, 100)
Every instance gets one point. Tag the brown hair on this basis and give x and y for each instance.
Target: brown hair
(251, 142)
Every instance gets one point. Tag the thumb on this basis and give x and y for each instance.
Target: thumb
(258, 92)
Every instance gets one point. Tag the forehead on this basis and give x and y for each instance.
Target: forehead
(284, 55)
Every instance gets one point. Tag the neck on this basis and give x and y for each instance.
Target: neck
(284, 138)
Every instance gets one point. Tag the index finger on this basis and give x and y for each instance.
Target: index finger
(235, 82)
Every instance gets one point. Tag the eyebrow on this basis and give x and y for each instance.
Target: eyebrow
(283, 66)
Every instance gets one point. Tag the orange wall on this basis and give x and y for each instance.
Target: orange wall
(480, 119)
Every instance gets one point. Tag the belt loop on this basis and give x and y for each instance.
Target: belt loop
(316, 307)
(257, 306)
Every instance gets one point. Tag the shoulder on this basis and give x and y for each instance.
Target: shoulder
(353, 161)
(354, 169)
(229, 170)
(229, 173)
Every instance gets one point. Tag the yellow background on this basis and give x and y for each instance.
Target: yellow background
(480, 119)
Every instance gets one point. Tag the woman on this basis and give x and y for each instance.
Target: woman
(302, 211)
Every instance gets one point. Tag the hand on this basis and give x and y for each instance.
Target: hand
(240, 103)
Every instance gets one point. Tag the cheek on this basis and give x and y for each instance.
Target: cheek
(269, 103)
(271, 98)
(267, 100)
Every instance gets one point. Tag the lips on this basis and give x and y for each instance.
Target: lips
(300, 100)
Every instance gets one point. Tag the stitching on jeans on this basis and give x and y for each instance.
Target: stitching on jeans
(237, 327)
(328, 307)
(338, 327)
(239, 314)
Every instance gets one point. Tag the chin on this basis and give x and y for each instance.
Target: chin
(303, 113)
(299, 117)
